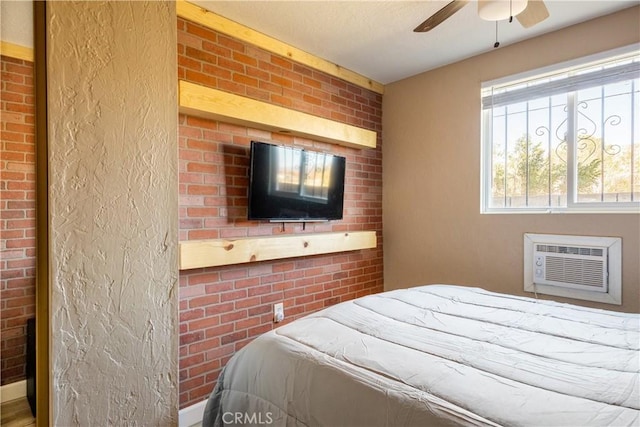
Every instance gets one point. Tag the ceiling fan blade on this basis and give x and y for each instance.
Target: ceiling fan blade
(534, 13)
(441, 15)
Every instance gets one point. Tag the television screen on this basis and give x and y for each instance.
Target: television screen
(292, 184)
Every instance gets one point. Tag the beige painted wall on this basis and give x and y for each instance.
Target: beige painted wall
(433, 229)
(112, 108)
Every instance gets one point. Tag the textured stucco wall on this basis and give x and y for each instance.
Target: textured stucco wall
(112, 108)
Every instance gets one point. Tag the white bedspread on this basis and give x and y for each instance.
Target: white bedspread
(438, 355)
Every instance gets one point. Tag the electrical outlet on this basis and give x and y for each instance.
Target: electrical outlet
(278, 312)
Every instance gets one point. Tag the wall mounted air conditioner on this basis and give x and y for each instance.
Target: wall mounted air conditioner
(581, 267)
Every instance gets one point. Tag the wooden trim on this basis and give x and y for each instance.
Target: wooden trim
(223, 25)
(192, 415)
(13, 391)
(16, 51)
(205, 102)
(217, 252)
(43, 331)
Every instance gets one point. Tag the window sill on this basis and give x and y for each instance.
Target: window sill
(529, 211)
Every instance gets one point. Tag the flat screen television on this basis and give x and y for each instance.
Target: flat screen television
(288, 184)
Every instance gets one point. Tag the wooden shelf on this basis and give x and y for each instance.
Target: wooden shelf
(16, 51)
(205, 102)
(217, 252)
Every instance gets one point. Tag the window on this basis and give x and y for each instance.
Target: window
(564, 140)
(303, 174)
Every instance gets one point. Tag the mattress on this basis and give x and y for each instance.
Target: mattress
(438, 355)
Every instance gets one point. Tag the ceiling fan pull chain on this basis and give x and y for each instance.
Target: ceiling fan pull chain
(510, 11)
(497, 43)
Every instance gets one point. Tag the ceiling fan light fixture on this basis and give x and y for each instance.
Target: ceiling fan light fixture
(498, 10)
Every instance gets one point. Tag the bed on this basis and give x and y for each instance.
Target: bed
(437, 355)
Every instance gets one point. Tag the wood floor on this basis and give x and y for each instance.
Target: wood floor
(16, 413)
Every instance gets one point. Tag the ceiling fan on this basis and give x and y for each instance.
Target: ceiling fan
(528, 13)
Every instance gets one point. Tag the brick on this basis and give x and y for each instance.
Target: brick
(26, 70)
(259, 330)
(312, 100)
(202, 167)
(204, 368)
(202, 212)
(216, 49)
(199, 190)
(22, 128)
(231, 65)
(247, 302)
(18, 88)
(203, 301)
(200, 55)
(21, 243)
(217, 71)
(227, 339)
(200, 393)
(203, 234)
(215, 155)
(198, 77)
(19, 108)
(17, 203)
(188, 338)
(202, 346)
(259, 290)
(281, 62)
(16, 138)
(230, 43)
(13, 176)
(233, 316)
(200, 31)
(194, 382)
(186, 315)
(204, 323)
(247, 323)
(192, 360)
(245, 59)
(233, 296)
(263, 309)
(245, 80)
(233, 87)
(220, 351)
(281, 81)
(12, 214)
(13, 97)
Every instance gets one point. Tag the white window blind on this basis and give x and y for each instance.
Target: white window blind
(539, 88)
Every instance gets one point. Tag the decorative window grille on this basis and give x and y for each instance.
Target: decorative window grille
(567, 139)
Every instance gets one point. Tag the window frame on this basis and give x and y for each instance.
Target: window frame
(573, 206)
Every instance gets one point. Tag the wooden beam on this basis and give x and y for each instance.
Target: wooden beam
(205, 102)
(44, 376)
(217, 252)
(204, 17)
(16, 51)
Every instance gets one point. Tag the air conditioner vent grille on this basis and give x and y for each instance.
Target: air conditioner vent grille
(584, 272)
(583, 267)
(570, 250)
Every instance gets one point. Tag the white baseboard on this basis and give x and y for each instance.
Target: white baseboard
(13, 391)
(191, 415)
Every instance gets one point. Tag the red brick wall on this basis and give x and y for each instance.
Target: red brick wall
(222, 309)
(17, 214)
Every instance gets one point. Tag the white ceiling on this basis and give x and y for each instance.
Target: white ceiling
(16, 22)
(372, 37)
(376, 38)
